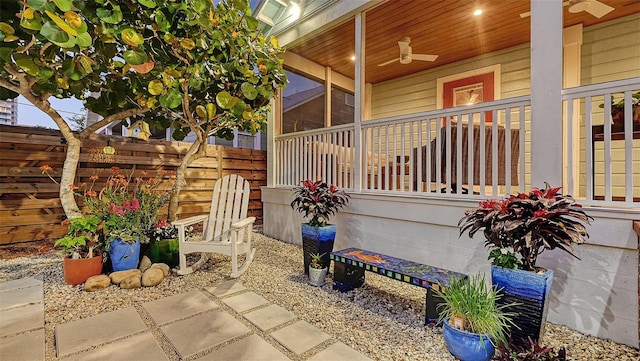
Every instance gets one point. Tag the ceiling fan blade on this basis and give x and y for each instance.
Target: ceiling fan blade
(598, 9)
(388, 62)
(424, 57)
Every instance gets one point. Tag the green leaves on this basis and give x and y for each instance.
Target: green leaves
(135, 57)
(111, 16)
(131, 37)
(249, 91)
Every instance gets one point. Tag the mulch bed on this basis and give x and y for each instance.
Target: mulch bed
(26, 249)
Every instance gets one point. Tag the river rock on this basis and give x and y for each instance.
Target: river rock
(163, 266)
(152, 277)
(118, 276)
(95, 283)
(130, 282)
(145, 263)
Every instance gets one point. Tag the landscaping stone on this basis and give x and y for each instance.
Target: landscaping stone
(163, 266)
(130, 283)
(96, 283)
(152, 277)
(145, 263)
(118, 276)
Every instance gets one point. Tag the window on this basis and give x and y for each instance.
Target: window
(341, 106)
(303, 104)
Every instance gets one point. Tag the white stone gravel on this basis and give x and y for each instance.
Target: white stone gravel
(383, 319)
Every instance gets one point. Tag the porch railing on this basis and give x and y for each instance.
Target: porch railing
(604, 161)
(478, 151)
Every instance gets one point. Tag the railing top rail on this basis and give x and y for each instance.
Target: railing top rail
(303, 133)
(601, 88)
(461, 110)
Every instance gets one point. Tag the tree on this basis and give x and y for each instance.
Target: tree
(78, 122)
(190, 65)
(62, 48)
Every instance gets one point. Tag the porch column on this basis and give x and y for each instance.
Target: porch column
(327, 96)
(274, 127)
(572, 45)
(359, 100)
(546, 93)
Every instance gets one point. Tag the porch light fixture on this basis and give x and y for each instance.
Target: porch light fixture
(477, 12)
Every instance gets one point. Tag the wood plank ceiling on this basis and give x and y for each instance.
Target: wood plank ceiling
(445, 28)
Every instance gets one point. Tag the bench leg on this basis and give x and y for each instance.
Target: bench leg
(347, 277)
(432, 314)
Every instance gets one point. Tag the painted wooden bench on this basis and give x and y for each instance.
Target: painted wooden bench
(350, 265)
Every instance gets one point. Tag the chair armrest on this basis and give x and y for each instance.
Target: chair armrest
(243, 223)
(189, 221)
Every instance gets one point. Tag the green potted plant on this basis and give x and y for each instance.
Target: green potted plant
(317, 201)
(517, 229)
(473, 320)
(83, 258)
(317, 269)
(617, 108)
(163, 246)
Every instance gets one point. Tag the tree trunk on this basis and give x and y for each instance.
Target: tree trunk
(67, 180)
(195, 152)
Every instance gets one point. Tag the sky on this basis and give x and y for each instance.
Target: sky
(28, 114)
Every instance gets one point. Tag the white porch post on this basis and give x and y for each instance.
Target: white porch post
(274, 127)
(546, 93)
(359, 100)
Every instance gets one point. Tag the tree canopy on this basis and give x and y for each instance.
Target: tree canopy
(191, 65)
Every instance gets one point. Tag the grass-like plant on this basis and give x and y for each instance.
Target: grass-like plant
(476, 304)
(316, 260)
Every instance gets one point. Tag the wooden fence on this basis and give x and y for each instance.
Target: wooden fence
(29, 205)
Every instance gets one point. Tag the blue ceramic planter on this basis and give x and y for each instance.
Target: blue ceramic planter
(531, 290)
(123, 255)
(465, 345)
(317, 240)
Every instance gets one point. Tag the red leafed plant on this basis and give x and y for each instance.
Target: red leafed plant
(521, 226)
(319, 201)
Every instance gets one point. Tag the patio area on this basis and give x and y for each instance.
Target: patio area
(382, 320)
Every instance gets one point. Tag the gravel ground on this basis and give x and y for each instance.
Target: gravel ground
(383, 319)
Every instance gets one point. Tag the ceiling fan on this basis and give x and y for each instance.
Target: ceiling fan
(406, 56)
(593, 7)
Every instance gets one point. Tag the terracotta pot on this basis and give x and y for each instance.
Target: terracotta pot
(76, 271)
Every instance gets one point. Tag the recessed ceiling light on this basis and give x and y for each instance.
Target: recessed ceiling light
(477, 12)
(353, 58)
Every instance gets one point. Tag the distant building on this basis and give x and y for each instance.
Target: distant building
(9, 111)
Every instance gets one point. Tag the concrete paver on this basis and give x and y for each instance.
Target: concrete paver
(252, 348)
(82, 334)
(196, 334)
(21, 296)
(123, 335)
(245, 301)
(16, 320)
(300, 337)
(20, 283)
(179, 306)
(27, 346)
(141, 347)
(269, 317)
(338, 352)
(226, 288)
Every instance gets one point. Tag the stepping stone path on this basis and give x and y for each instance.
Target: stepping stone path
(210, 324)
(22, 320)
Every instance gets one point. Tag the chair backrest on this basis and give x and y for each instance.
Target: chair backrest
(229, 204)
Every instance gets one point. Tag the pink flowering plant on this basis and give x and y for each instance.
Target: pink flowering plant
(318, 201)
(127, 207)
(520, 227)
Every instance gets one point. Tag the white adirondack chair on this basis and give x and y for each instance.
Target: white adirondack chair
(227, 229)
